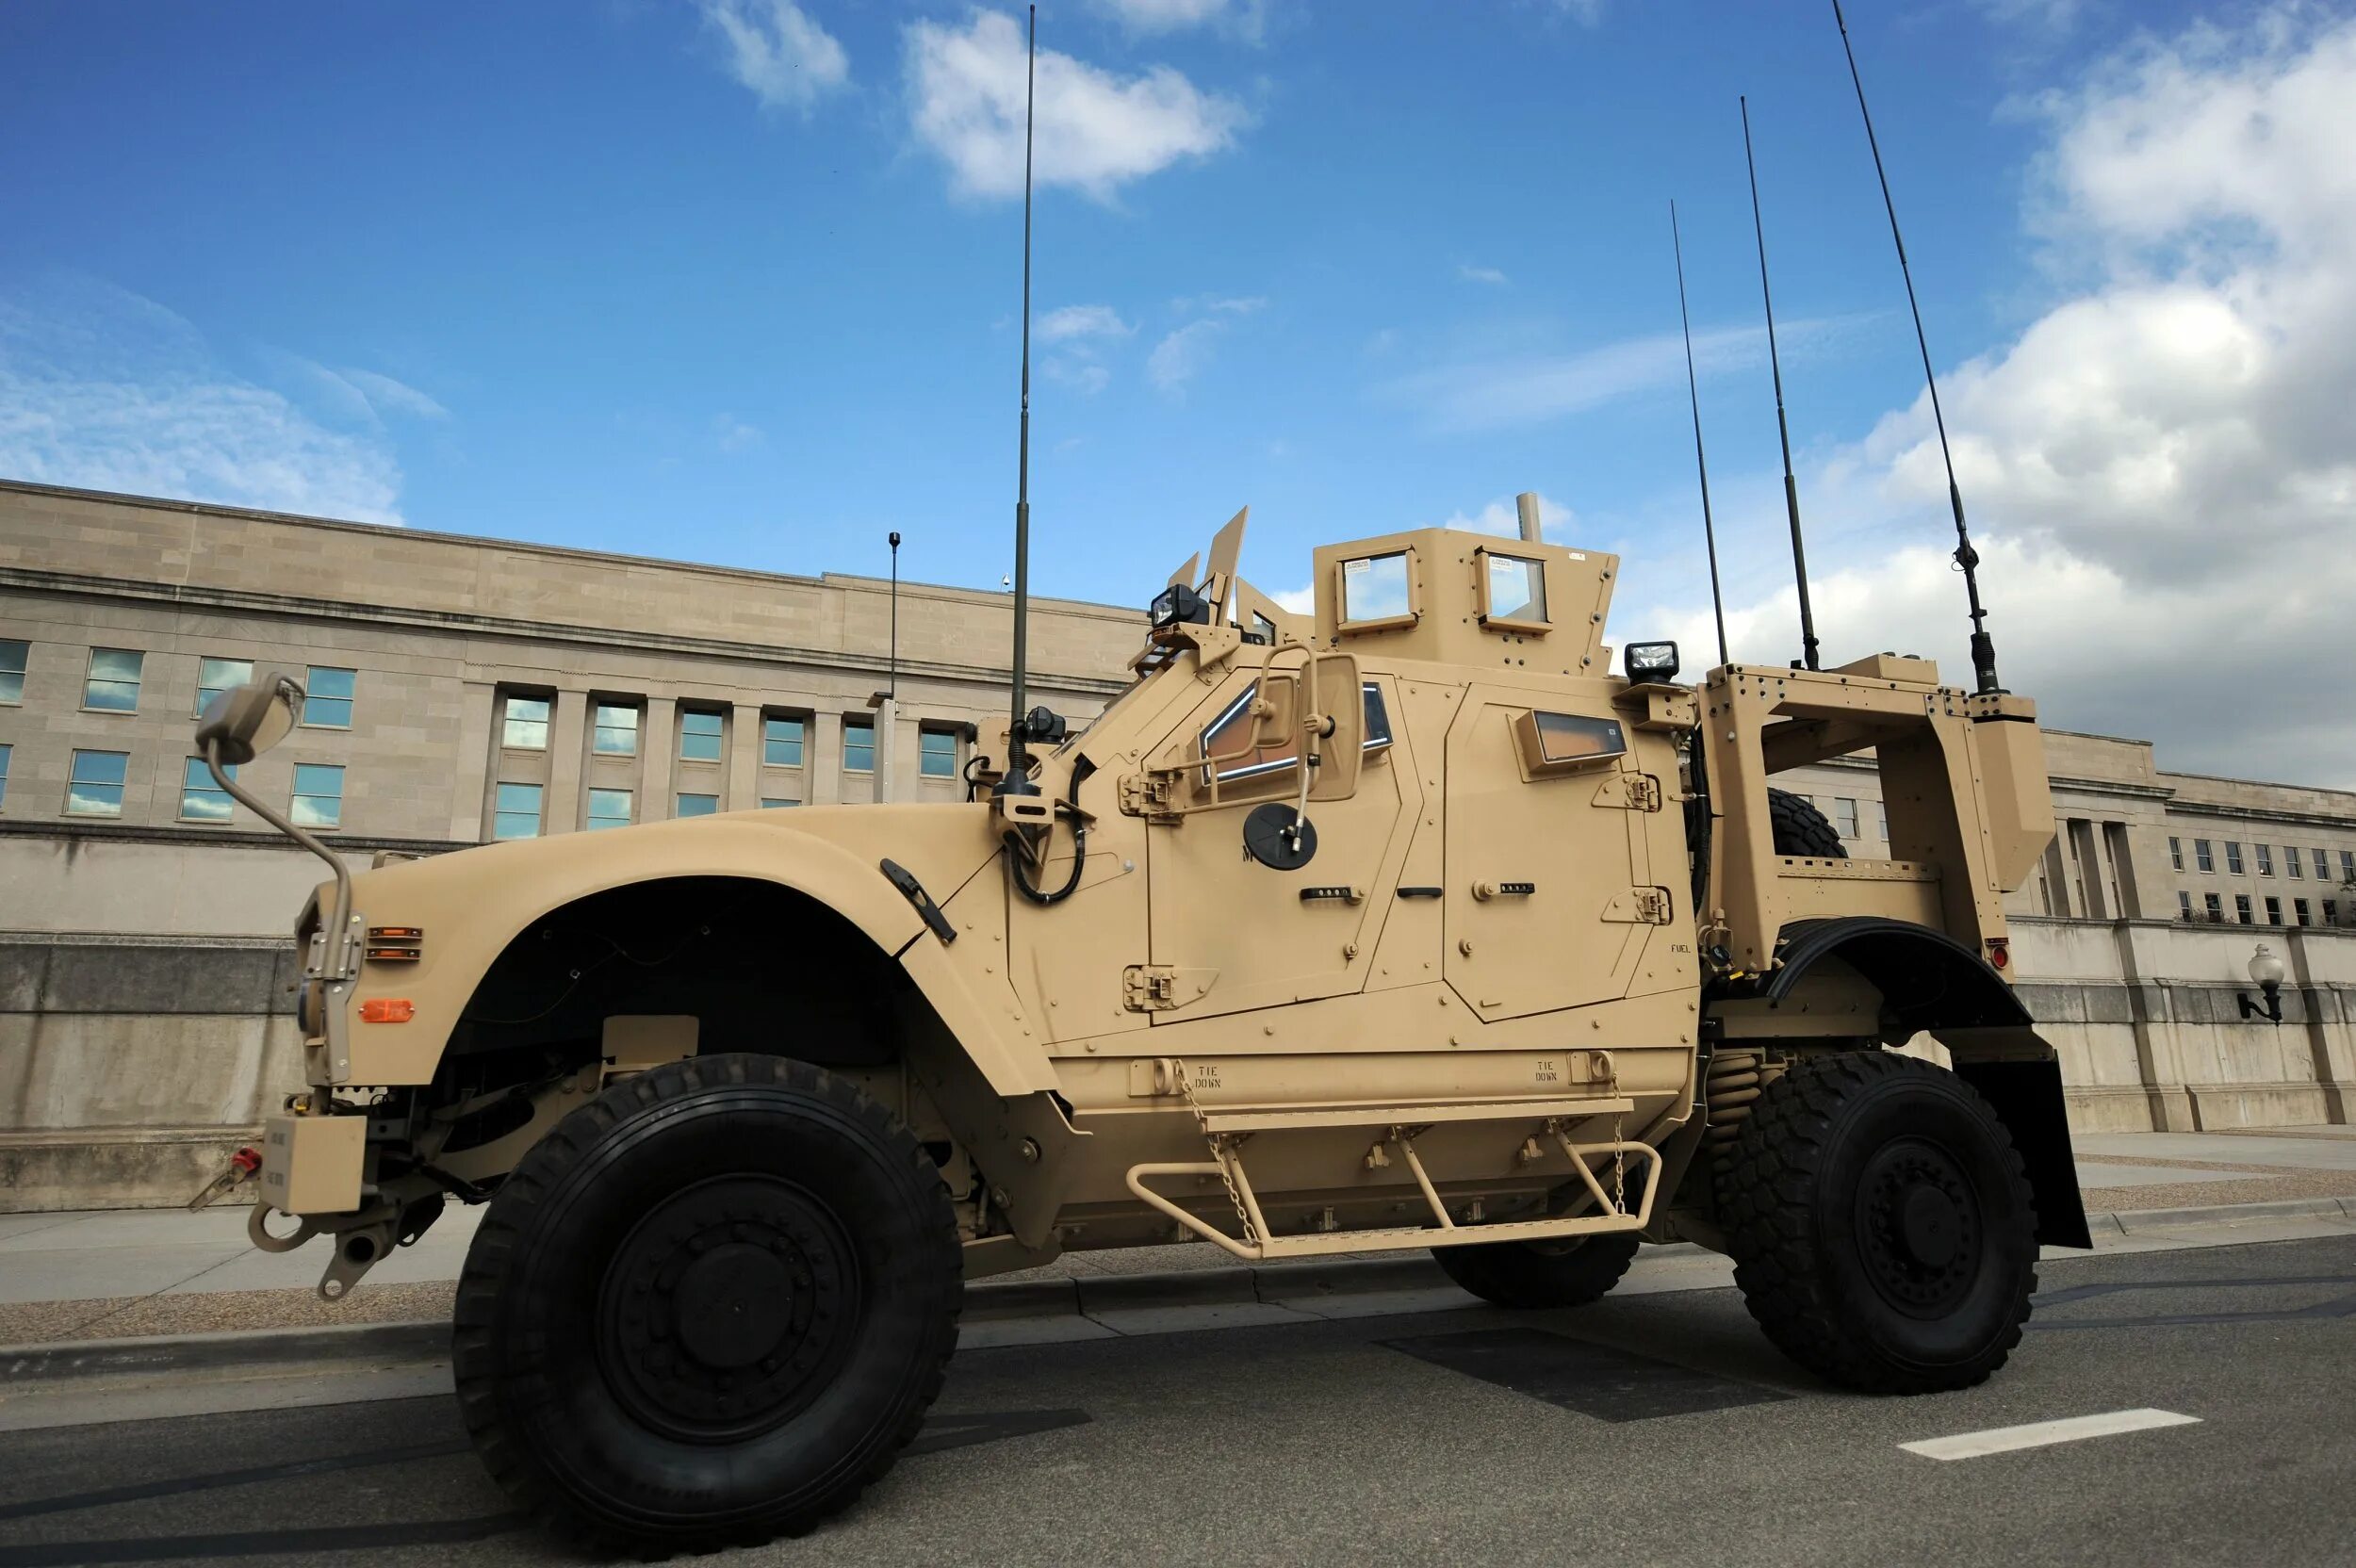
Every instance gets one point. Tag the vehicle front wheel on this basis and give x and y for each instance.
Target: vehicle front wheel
(708, 1308)
(1534, 1274)
(1883, 1233)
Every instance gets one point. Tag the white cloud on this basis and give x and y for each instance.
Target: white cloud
(1080, 321)
(1162, 16)
(1300, 601)
(387, 396)
(1587, 13)
(774, 48)
(1503, 516)
(1096, 131)
(1178, 358)
(2161, 470)
(1219, 304)
(732, 434)
(104, 389)
(1086, 376)
(1470, 273)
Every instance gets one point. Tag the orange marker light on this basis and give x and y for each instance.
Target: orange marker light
(387, 1009)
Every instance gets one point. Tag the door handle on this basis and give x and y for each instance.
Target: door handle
(1334, 891)
(1422, 893)
(1487, 890)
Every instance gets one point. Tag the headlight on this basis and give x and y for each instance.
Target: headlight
(1177, 603)
(1651, 661)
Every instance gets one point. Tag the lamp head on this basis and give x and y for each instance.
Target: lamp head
(246, 720)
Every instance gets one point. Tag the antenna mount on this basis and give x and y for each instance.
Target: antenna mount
(1783, 430)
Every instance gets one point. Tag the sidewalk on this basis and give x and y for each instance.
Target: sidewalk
(142, 1272)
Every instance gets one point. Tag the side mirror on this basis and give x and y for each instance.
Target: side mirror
(1276, 716)
(246, 720)
(1341, 708)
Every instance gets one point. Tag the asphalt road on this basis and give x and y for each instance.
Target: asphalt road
(1659, 1429)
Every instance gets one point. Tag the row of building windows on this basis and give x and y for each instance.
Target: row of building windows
(2212, 910)
(1845, 820)
(96, 780)
(517, 812)
(2204, 857)
(112, 680)
(615, 729)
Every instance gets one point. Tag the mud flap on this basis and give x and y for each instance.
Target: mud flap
(2027, 1098)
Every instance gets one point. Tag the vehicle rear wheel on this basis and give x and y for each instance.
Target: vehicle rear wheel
(1799, 828)
(708, 1308)
(1532, 1274)
(1882, 1230)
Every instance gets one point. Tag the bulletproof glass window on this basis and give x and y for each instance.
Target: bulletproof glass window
(1513, 591)
(1376, 592)
(113, 683)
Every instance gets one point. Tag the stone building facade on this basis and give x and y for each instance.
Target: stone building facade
(464, 688)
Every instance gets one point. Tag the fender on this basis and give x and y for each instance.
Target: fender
(486, 895)
(1931, 982)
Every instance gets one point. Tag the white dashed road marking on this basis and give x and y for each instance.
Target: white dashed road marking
(2039, 1435)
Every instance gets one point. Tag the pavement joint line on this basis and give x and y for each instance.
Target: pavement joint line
(2040, 1434)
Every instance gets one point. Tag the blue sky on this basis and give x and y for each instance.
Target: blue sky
(736, 281)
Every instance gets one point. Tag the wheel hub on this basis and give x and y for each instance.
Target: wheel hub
(727, 1308)
(1918, 1227)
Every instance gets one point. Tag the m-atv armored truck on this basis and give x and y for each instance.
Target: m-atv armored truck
(1401, 924)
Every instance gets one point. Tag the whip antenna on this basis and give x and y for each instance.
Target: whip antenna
(1016, 780)
(1710, 532)
(1983, 646)
(1790, 486)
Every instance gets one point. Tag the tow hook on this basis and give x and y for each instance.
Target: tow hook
(241, 1169)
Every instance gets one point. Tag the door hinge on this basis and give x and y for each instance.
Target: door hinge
(1158, 988)
(1642, 907)
(1629, 791)
(1148, 796)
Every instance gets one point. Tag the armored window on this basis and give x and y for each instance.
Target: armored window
(2176, 852)
(2200, 855)
(1228, 739)
(696, 806)
(1513, 591)
(2215, 909)
(94, 788)
(525, 727)
(1377, 721)
(202, 798)
(781, 743)
(2241, 910)
(937, 753)
(318, 795)
(518, 813)
(610, 808)
(616, 730)
(12, 652)
(770, 804)
(2232, 858)
(1264, 628)
(2298, 907)
(2265, 860)
(1376, 592)
(5, 752)
(327, 697)
(2290, 860)
(2183, 904)
(699, 735)
(112, 685)
(1844, 817)
(216, 676)
(859, 745)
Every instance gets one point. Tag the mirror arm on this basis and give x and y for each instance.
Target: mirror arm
(338, 949)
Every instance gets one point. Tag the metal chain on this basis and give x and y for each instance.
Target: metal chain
(1219, 1152)
(1619, 1145)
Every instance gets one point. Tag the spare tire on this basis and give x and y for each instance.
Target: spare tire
(1800, 829)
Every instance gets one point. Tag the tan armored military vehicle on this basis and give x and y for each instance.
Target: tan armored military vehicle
(1406, 924)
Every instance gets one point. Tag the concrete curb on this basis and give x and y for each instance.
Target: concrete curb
(281, 1350)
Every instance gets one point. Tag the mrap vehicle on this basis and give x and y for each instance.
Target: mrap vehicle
(1403, 924)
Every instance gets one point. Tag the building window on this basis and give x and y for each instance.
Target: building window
(327, 697)
(2299, 909)
(859, 745)
(113, 683)
(518, 814)
(616, 731)
(2183, 904)
(698, 737)
(2215, 911)
(94, 789)
(2200, 855)
(2321, 872)
(2331, 911)
(12, 652)
(2347, 864)
(767, 803)
(202, 798)
(2274, 911)
(781, 743)
(2241, 910)
(525, 725)
(1881, 821)
(2232, 858)
(2265, 860)
(2176, 852)
(2290, 860)
(698, 806)
(318, 795)
(610, 808)
(4, 774)
(937, 753)
(1844, 817)
(216, 676)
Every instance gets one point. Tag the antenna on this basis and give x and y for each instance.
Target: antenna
(1983, 646)
(1710, 532)
(1016, 781)
(1790, 486)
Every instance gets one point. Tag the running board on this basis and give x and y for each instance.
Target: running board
(1401, 1125)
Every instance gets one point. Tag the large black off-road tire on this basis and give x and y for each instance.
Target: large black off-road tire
(1800, 829)
(708, 1308)
(1882, 1230)
(1532, 1274)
